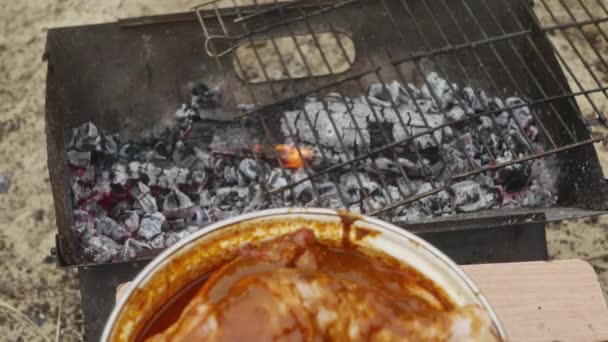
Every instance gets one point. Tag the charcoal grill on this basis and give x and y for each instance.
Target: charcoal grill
(130, 76)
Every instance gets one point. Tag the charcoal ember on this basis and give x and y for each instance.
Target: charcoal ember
(80, 191)
(411, 213)
(522, 112)
(129, 151)
(204, 156)
(380, 95)
(383, 164)
(537, 197)
(439, 203)
(141, 194)
(420, 168)
(201, 217)
(175, 176)
(477, 100)
(338, 129)
(354, 184)
(151, 225)
(109, 145)
(456, 113)
(248, 168)
(502, 119)
(205, 199)
(112, 229)
(129, 220)
(178, 205)
(119, 174)
(86, 137)
(303, 191)
(231, 174)
(257, 199)
(439, 89)
(417, 124)
(88, 175)
(218, 214)
(79, 159)
(151, 172)
(101, 248)
(158, 241)
(133, 248)
(83, 223)
(173, 237)
(277, 180)
(231, 197)
(471, 196)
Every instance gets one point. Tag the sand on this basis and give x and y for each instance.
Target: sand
(30, 282)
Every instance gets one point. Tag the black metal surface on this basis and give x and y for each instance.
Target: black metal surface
(98, 292)
(130, 76)
(525, 242)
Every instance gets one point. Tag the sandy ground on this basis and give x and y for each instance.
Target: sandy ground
(30, 283)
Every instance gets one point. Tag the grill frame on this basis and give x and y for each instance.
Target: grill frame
(121, 47)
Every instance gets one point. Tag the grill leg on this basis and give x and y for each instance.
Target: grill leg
(98, 293)
(526, 242)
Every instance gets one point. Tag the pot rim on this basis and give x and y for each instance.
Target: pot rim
(158, 260)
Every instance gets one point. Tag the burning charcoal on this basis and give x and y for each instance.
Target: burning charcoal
(379, 95)
(152, 172)
(303, 191)
(178, 205)
(101, 248)
(158, 241)
(79, 159)
(142, 195)
(112, 229)
(132, 248)
(201, 217)
(439, 203)
(129, 151)
(120, 174)
(416, 125)
(80, 192)
(5, 184)
(151, 225)
(248, 168)
(175, 176)
(88, 176)
(384, 164)
(276, 180)
(502, 119)
(438, 88)
(477, 100)
(84, 224)
(85, 137)
(411, 213)
(456, 113)
(257, 199)
(205, 199)
(537, 197)
(130, 220)
(230, 174)
(110, 145)
(173, 237)
(470, 196)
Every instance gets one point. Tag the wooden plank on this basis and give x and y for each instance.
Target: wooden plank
(545, 301)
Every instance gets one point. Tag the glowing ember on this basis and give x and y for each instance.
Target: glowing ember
(292, 157)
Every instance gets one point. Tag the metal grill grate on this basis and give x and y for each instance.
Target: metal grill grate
(498, 45)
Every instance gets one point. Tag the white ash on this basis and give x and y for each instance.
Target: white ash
(131, 196)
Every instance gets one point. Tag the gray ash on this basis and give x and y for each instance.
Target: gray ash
(133, 196)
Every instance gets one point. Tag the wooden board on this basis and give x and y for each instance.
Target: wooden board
(545, 301)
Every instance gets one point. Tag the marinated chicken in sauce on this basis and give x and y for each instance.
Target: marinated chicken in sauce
(295, 289)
